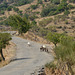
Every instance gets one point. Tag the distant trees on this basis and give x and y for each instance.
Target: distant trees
(3, 7)
(55, 1)
(45, 0)
(73, 1)
(19, 23)
(9, 8)
(34, 6)
(40, 2)
(4, 40)
(21, 2)
(15, 9)
(50, 8)
(53, 9)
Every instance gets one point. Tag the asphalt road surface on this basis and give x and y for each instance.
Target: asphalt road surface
(27, 59)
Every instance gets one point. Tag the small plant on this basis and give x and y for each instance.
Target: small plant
(9, 8)
(15, 9)
(66, 12)
(33, 6)
(40, 2)
(50, 65)
(66, 22)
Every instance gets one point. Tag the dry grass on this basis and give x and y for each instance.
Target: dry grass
(9, 53)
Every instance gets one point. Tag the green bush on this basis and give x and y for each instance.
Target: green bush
(2, 18)
(22, 2)
(33, 6)
(2, 12)
(20, 12)
(26, 15)
(39, 1)
(9, 8)
(72, 1)
(48, 9)
(66, 12)
(66, 22)
(66, 49)
(70, 6)
(15, 9)
(33, 17)
(52, 9)
(55, 1)
(44, 22)
(45, 0)
(50, 65)
(3, 6)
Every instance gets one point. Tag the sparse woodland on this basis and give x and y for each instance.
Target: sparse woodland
(53, 20)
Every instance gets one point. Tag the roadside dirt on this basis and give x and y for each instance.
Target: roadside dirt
(9, 53)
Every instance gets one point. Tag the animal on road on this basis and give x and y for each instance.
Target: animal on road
(44, 48)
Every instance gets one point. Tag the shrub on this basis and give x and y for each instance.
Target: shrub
(9, 8)
(45, 0)
(20, 12)
(50, 65)
(22, 2)
(2, 12)
(26, 15)
(39, 1)
(15, 9)
(66, 22)
(33, 17)
(48, 9)
(66, 49)
(70, 6)
(66, 12)
(33, 6)
(55, 1)
(44, 22)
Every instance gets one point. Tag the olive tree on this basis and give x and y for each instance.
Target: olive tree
(4, 40)
(19, 23)
(54, 38)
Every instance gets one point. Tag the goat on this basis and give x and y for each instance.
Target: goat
(28, 43)
(43, 48)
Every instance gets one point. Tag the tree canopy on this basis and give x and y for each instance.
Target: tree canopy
(19, 23)
(54, 37)
(4, 40)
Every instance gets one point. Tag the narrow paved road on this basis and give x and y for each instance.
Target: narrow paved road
(27, 58)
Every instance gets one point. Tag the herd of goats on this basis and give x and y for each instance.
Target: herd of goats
(42, 48)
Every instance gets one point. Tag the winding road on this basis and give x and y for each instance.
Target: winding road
(27, 58)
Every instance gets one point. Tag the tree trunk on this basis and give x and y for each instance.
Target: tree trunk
(55, 44)
(2, 55)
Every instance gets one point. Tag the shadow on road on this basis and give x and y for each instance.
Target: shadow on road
(16, 59)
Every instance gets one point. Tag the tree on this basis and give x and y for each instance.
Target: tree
(9, 8)
(39, 1)
(53, 37)
(4, 40)
(19, 23)
(55, 1)
(15, 9)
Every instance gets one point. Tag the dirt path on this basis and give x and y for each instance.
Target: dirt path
(27, 58)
